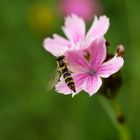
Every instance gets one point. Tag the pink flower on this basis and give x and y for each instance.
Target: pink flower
(84, 8)
(88, 67)
(75, 31)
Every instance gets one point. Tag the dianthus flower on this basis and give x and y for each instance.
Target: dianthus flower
(77, 38)
(88, 66)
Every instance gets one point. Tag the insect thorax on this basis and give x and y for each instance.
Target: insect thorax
(61, 63)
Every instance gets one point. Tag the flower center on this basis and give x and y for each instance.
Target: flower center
(92, 72)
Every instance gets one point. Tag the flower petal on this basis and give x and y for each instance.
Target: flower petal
(56, 45)
(76, 61)
(74, 28)
(99, 27)
(61, 87)
(92, 84)
(110, 67)
(97, 50)
(79, 79)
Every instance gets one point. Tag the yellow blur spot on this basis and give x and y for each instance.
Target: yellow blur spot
(40, 17)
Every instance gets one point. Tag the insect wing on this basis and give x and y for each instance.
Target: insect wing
(52, 82)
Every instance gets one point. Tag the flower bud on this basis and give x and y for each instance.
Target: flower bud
(120, 50)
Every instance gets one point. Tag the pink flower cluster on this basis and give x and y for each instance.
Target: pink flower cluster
(83, 8)
(85, 54)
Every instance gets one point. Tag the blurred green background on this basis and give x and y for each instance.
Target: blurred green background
(27, 111)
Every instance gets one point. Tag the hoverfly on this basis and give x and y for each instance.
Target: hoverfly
(64, 71)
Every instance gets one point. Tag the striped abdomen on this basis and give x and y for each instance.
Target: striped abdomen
(62, 67)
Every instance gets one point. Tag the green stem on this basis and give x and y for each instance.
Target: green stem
(111, 111)
(124, 133)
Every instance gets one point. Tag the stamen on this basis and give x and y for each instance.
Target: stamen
(87, 56)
